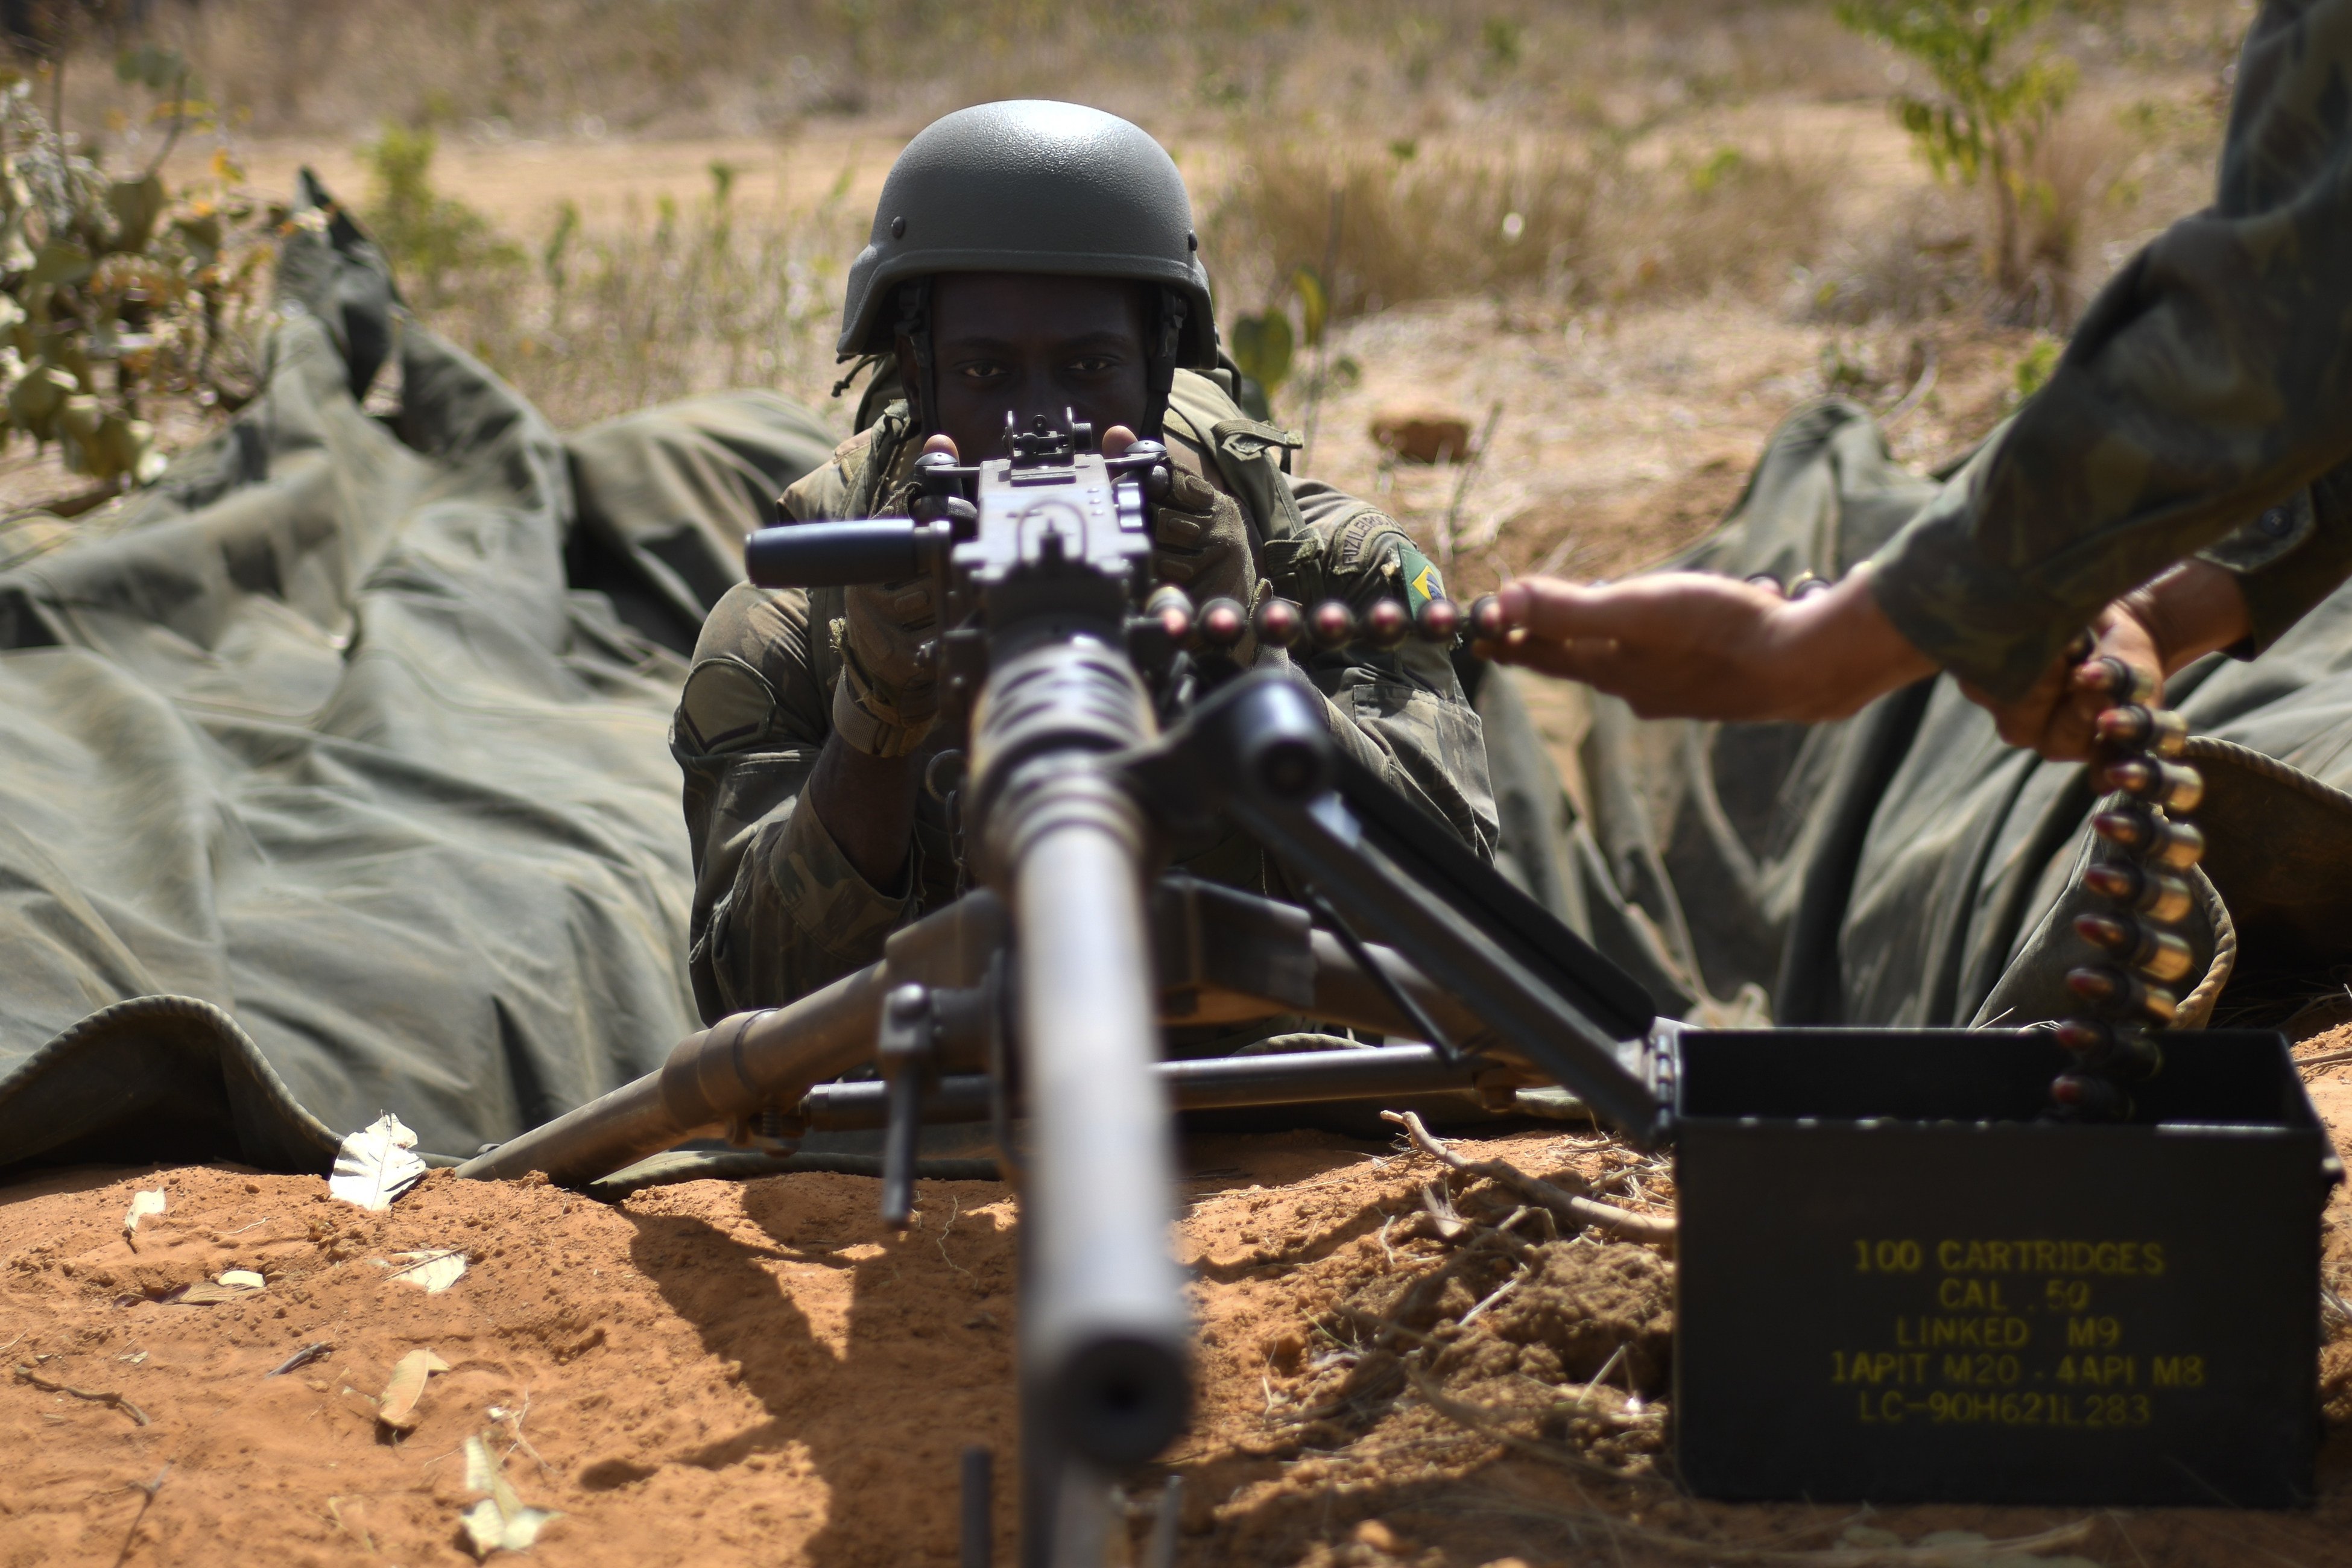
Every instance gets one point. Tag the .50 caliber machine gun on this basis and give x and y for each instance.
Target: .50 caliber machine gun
(1103, 724)
(1105, 728)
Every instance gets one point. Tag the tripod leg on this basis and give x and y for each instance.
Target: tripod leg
(1065, 1504)
(1082, 1516)
(1161, 1553)
(977, 1534)
(1041, 1469)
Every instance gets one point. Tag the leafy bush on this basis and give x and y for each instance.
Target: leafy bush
(1993, 108)
(114, 291)
(428, 237)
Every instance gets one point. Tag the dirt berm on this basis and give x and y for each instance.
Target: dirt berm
(722, 1374)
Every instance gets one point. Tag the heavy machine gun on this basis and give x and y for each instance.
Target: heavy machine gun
(1103, 725)
(1103, 729)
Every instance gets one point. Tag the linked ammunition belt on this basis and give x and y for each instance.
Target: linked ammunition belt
(2141, 870)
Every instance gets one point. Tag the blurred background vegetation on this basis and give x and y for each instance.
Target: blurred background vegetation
(1859, 165)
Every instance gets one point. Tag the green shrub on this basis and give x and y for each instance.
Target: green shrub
(1999, 87)
(2034, 368)
(115, 290)
(428, 237)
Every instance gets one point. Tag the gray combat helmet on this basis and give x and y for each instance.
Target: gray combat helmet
(1031, 185)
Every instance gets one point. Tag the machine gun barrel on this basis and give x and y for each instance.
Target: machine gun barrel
(1104, 1331)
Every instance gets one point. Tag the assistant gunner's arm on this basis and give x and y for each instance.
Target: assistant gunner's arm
(2210, 383)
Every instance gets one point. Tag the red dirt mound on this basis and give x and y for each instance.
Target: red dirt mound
(1395, 1370)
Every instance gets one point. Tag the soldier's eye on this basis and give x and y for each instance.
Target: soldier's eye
(979, 370)
(1094, 365)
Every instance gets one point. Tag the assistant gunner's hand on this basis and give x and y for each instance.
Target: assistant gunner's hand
(1690, 645)
(2185, 613)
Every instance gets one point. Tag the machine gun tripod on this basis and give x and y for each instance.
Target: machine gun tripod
(1104, 725)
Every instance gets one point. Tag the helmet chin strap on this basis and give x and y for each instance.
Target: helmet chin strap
(914, 325)
(1159, 368)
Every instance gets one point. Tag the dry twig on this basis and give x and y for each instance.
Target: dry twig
(1576, 1211)
(300, 1358)
(130, 1537)
(1490, 1423)
(98, 1396)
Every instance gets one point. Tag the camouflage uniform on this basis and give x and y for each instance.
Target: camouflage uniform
(778, 909)
(2210, 383)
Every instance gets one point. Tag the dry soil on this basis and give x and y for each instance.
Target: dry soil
(760, 1373)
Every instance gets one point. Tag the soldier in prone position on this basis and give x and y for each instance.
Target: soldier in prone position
(1027, 259)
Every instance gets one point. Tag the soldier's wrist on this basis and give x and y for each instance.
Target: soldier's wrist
(1836, 652)
(863, 728)
(2189, 611)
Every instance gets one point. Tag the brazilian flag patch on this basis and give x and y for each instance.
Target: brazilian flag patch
(1421, 582)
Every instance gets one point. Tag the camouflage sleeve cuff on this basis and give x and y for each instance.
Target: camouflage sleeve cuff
(2289, 559)
(822, 892)
(1986, 622)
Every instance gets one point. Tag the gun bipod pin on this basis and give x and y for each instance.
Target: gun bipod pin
(2146, 847)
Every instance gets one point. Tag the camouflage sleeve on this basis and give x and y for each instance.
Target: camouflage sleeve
(2290, 558)
(778, 909)
(2209, 381)
(1401, 713)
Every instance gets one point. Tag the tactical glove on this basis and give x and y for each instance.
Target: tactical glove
(889, 690)
(1202, 542)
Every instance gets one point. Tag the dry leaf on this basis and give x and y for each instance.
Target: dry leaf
(500, 1522)
(210, 1293)
(398, 1410)
(433, 1272)
(376, 1165)
(142, 1205)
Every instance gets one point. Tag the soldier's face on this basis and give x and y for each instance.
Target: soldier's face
(1006, 342)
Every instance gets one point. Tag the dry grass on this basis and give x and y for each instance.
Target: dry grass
(1567, 155)
(662, 305)
(1570, 217)
(739, 67)
(1409, 225)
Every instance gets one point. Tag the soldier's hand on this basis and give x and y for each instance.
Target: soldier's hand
(2058, 716)
(2185, 613)
(1691, 644)
(889, 692)
(1200, 540)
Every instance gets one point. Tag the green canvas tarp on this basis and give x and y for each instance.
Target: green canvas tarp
(325, 733)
